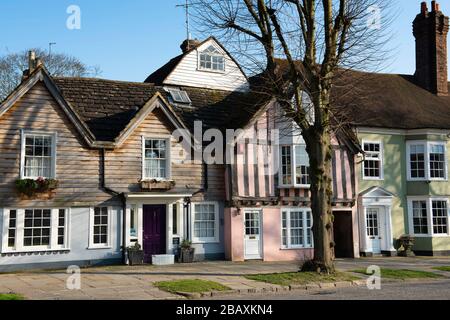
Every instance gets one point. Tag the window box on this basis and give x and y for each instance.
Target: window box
(42, 189)
(155, 184)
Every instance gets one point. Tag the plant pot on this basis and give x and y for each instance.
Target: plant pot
(187, 255)
(407, 243)
(135, 257)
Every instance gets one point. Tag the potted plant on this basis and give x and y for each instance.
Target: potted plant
(135, 255)
(186, 252)
(406, 242)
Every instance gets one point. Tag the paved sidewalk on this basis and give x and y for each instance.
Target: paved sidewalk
(136, 283)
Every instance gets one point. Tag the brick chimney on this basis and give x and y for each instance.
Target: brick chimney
(430, 28)
(189, 44)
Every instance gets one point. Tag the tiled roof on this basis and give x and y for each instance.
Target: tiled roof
(108, 106)
(105, 106)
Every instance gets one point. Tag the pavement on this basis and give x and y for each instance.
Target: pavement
(136, 283)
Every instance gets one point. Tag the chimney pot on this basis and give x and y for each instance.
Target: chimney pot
(424, 8)
(434, 6)
(189, 44)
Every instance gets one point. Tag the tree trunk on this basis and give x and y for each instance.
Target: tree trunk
(318, 143)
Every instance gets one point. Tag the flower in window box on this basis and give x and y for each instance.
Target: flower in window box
(40, 188)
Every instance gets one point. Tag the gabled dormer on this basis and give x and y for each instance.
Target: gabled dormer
(204, 64)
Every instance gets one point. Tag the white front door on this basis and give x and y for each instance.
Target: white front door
(374, 236)
(252, 235)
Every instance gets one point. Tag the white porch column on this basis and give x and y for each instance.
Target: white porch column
(389, 236)
(365, 243)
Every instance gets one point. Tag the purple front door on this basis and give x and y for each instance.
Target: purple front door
(154, 235)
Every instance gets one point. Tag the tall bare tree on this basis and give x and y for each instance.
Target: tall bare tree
(12, 66)
(302, 46)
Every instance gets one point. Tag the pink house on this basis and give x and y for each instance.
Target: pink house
(268, 216)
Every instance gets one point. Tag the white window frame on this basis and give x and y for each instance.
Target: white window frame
(168, 157)
(20, 226)
(381, 160)
(427, 145)
(429, 201)
(218, 54)
(304, 212)
(93, 245)
(294, 183)
(216, 238)
(23, 135)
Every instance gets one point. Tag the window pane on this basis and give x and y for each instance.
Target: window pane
(38, 156)
(420, 220)
(37, 227)
(437, 161)
(417, 161)
(372, 161)
(155, 158)
(301, 166)
(440, 217)
(286, 165)
(204, 221)
(100, 228)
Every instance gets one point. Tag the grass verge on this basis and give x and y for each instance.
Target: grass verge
(403, 274)
(10, 296)
(190, 285)
(442, 268)
(288, 278)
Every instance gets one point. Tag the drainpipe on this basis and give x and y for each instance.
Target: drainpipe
(187, 200)
(122, 198)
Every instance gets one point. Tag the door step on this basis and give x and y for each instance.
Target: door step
(163, 259)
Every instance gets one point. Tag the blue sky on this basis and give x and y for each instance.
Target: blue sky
(130, 39)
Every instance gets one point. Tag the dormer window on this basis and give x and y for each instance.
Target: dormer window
(211, 60)
(179, 96)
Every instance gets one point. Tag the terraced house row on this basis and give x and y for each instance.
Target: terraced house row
(89, 166)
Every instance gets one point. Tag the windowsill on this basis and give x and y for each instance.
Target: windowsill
(297, 186)
(426, 180)
(372, 179)
(34, 250)
(211, 71)
(205, 241)
(296, 248)
(431, 235)
(156, 179)
(99, 247)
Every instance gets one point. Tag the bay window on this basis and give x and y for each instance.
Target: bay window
(30, 230)
(296, 228)
(294, 166)
(205, 222)
(426, 160)
(38, 155)
(429, 216)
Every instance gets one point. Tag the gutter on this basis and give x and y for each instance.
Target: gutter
(122, 198)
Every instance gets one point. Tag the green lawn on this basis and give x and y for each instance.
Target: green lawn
(402, 274)
(10, 296)
(443, 268)
(289, 278)
(190, 285)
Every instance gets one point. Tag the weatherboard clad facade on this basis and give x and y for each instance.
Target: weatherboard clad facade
(77, 166)
(187, 72)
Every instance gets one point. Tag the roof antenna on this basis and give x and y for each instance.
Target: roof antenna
(186, 6)
(50, 44)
